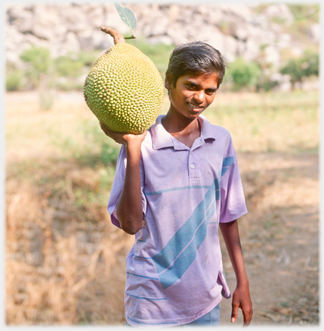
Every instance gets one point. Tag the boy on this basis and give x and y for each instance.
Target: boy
(174, 186)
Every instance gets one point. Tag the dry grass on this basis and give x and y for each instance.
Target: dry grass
(65, 262)
(61, 263)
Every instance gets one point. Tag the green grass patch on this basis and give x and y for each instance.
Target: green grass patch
(158, 53)
(269, 122)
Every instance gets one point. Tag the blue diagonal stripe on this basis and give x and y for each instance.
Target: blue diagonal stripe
(179, 267)
(227, 162)
(186, 240)
(182, 188)
(144, 298)
(176, 257)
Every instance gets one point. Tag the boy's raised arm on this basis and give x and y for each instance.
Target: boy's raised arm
(241, 296)
(129, 205)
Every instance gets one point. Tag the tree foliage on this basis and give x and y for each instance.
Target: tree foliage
(39, 66)
(66, 66)
(299, 68)
(244, 74)
(14, 77)
(39, 63)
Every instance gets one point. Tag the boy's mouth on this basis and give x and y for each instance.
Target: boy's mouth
(195, 107)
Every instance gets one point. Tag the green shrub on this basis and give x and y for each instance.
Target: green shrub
(87, 144)
(89, 58)
(68, 84)
(158, 53)
(39, 63)
(66, 66)
(243, 74)
(310, 63)
(299, 68)
(305, 12)
(14, 78)
(69, 67)
(267, 84)
(108, 150)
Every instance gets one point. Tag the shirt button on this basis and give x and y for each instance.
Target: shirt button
(192, 166)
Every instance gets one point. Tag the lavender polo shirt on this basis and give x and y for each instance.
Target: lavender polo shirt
(174, 270)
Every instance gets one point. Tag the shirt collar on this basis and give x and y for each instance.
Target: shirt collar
(162, 139)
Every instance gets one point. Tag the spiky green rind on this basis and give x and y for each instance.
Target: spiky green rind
(124, 90)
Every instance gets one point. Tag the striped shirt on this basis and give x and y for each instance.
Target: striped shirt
(174, 270)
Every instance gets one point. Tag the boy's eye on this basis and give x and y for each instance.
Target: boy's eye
(210, 92)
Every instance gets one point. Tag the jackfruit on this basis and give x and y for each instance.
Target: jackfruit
(124, 89)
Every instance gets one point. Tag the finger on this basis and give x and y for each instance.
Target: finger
(234, 313)
(246, 322)
(247, 317)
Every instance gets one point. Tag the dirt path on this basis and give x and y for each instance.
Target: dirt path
(280, 239)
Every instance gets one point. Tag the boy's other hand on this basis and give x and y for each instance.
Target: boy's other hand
(242, 299)
(123, 138)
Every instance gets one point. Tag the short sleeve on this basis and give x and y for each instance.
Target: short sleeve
(233, 203)
(117, 186)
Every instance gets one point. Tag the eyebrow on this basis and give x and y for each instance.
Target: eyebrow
(188, 81)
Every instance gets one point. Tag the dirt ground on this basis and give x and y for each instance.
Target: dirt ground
(65, 263)
(280, 239)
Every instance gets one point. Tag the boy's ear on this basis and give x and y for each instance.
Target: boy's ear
(167, 83)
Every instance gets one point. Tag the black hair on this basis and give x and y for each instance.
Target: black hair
(195, 58)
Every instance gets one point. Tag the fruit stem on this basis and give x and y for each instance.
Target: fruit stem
(118, 38)
(130, 37)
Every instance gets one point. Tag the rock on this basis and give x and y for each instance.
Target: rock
(241, 33)
(18, 13)
(230, 46)
(314, 33)
(280, 12)
(70, 43)
(41, 32)
(251, 51)
(90, 40)
(95, 14)
(174, 12)
(177, 34)
(166, 40)
(283, 81)
(236, 30)
(284, 40)
(272, 56)
(159, 29)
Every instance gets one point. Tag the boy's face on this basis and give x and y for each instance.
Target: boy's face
(192, 93)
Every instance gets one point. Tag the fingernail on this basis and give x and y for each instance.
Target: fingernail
(232, 320)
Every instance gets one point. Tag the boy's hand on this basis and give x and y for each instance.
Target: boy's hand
(242, 299)
(123, 138)
(241, 295)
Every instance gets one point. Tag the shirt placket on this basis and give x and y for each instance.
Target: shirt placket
(192, 167)
(193, 162)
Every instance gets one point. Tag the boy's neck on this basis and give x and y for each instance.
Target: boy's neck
(183, 129)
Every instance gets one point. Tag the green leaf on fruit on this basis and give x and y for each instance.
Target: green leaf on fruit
(127, 16)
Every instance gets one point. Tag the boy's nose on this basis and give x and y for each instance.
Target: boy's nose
(199, 96)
